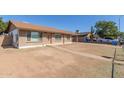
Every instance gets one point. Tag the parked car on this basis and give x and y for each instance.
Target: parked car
(108, 40)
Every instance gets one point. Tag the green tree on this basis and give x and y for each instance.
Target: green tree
(77, 31)
(106, 29)
(3, 25)
(121, 34)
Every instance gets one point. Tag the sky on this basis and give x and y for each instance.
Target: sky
(66, 22)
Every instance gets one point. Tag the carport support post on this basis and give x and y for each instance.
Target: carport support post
(112, 75)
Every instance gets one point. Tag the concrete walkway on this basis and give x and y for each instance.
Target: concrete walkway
(87, 55)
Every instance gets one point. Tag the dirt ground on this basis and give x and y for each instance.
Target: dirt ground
(51, 62)
(97, 49)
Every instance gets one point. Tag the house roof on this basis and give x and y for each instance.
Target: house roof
(30, 27)
(82, 33)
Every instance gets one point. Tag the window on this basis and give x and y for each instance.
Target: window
(58, 37)
(68, 37)
(34, 36)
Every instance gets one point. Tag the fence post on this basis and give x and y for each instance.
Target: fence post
(112, 75)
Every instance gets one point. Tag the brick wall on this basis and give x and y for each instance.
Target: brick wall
(66, 40)
(5, 41)
(46, 38)
(23, 40)
(1, 40)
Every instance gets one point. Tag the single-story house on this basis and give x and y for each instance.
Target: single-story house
(80, 37)
(24, 35)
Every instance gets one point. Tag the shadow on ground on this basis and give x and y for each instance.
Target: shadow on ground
(107, 57)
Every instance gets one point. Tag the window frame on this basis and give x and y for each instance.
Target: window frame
(30, 36)
(58, 37)
(68, 37)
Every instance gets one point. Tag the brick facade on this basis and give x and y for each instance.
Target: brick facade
(23, 35)
(46, 39)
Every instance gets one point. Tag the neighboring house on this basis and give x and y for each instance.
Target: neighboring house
(24, 35)
(80, 37)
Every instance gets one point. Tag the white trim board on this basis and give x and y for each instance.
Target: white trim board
(34, 46)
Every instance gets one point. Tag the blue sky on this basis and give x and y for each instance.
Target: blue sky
(65, 22)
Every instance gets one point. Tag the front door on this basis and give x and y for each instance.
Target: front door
(50, 38)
